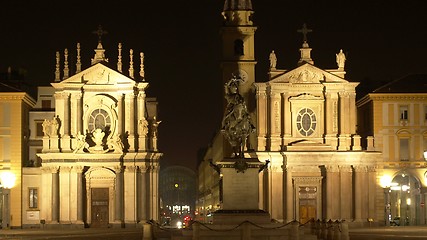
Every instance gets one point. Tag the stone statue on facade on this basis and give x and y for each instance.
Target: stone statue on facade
(143, 126)
(50, 127)
(115, 144)
(98, 139)
(273, 60)
(236, 124)
(154, 126)
(81, 143)
(340, 58)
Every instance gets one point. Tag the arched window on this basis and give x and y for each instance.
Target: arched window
(99, 118)
(238, 47)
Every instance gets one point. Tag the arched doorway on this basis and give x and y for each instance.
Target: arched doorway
(405, 200)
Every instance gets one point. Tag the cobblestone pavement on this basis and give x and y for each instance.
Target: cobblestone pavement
(68, 234)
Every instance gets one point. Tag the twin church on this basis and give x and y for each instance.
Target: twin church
(86, 151)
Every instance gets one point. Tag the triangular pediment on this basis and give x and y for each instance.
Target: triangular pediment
(98, 74)
(307, 73)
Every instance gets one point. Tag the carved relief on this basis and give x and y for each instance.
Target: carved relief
(306, 76)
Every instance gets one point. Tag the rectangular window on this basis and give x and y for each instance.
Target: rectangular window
(33, 198)
(404, 149)
(403, 112)
(39, 128)
(46, 104)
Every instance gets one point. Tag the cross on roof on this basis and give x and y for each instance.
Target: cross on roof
(304, 30)
(99, 32)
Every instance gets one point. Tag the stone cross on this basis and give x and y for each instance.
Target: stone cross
(304, 30)
(99, 32)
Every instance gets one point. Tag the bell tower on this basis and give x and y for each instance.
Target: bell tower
(238, 48)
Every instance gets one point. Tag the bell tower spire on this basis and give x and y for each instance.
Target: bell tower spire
(238, 48)
(238, 51)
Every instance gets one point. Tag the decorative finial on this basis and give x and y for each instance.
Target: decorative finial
(99, 32)
(119, 61)
(78, 63)
(131, 64)
(66, 69)
(141, 72)
(57, 71)
(304, 30)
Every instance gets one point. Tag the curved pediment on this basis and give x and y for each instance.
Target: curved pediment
(307, 73)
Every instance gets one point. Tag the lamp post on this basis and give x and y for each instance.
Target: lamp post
(7, 182)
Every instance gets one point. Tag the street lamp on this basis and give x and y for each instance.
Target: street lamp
(7, 182)
(425, 155)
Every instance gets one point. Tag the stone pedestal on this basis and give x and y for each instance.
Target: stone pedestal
(240, 195)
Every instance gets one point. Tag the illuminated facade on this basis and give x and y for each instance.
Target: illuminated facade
(14, 132)
(306, 127)
(396, 115)
(93, 144)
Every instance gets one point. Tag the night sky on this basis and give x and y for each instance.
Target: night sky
(383, 40)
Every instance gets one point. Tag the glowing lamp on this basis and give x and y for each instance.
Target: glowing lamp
(385, 181)
(425, 155)
(7, 180)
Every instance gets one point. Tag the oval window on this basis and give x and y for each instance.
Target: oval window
(306, 122)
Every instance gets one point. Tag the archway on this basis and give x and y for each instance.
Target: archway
(405, 200)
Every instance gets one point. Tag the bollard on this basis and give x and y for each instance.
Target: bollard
(337, 230)
(324, 232)
(196, 230)
(294, 230)
(246, 231)
(319, 229)
(147, 231)
(330, 231)
(344, 230)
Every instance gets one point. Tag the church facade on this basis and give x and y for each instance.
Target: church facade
(97, 161)
(306, 128)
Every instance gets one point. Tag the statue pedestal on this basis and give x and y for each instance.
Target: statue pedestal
(240, 195)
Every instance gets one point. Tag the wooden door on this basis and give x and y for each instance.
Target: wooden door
(306, 213)
(100, 202)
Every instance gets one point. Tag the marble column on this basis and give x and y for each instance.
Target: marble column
(289, 197)
(76, 114)
(142, 189)
(154, 191)
(130, 194)
(130, 119)
(360, 187)
(55, 194)
(287, 119)
(346, 192)
(261, 119)
(331, 119)
(118, 208)
(65, 193)
(120, 113)
(371, 180)
(344, 122)
(276, 194)
(79, 171)
(46, 197)
(332, 192)
(275, 121)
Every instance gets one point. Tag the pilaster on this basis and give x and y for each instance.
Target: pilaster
(261, 119)
(275, 121)
(130, 194)
(130, 120)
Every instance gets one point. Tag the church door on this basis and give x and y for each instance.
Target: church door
(307, 212)
(99, 207)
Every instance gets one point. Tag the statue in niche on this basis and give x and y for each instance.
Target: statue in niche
(236, 124)
(115, 144)
(273, 60)
(340, 58)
